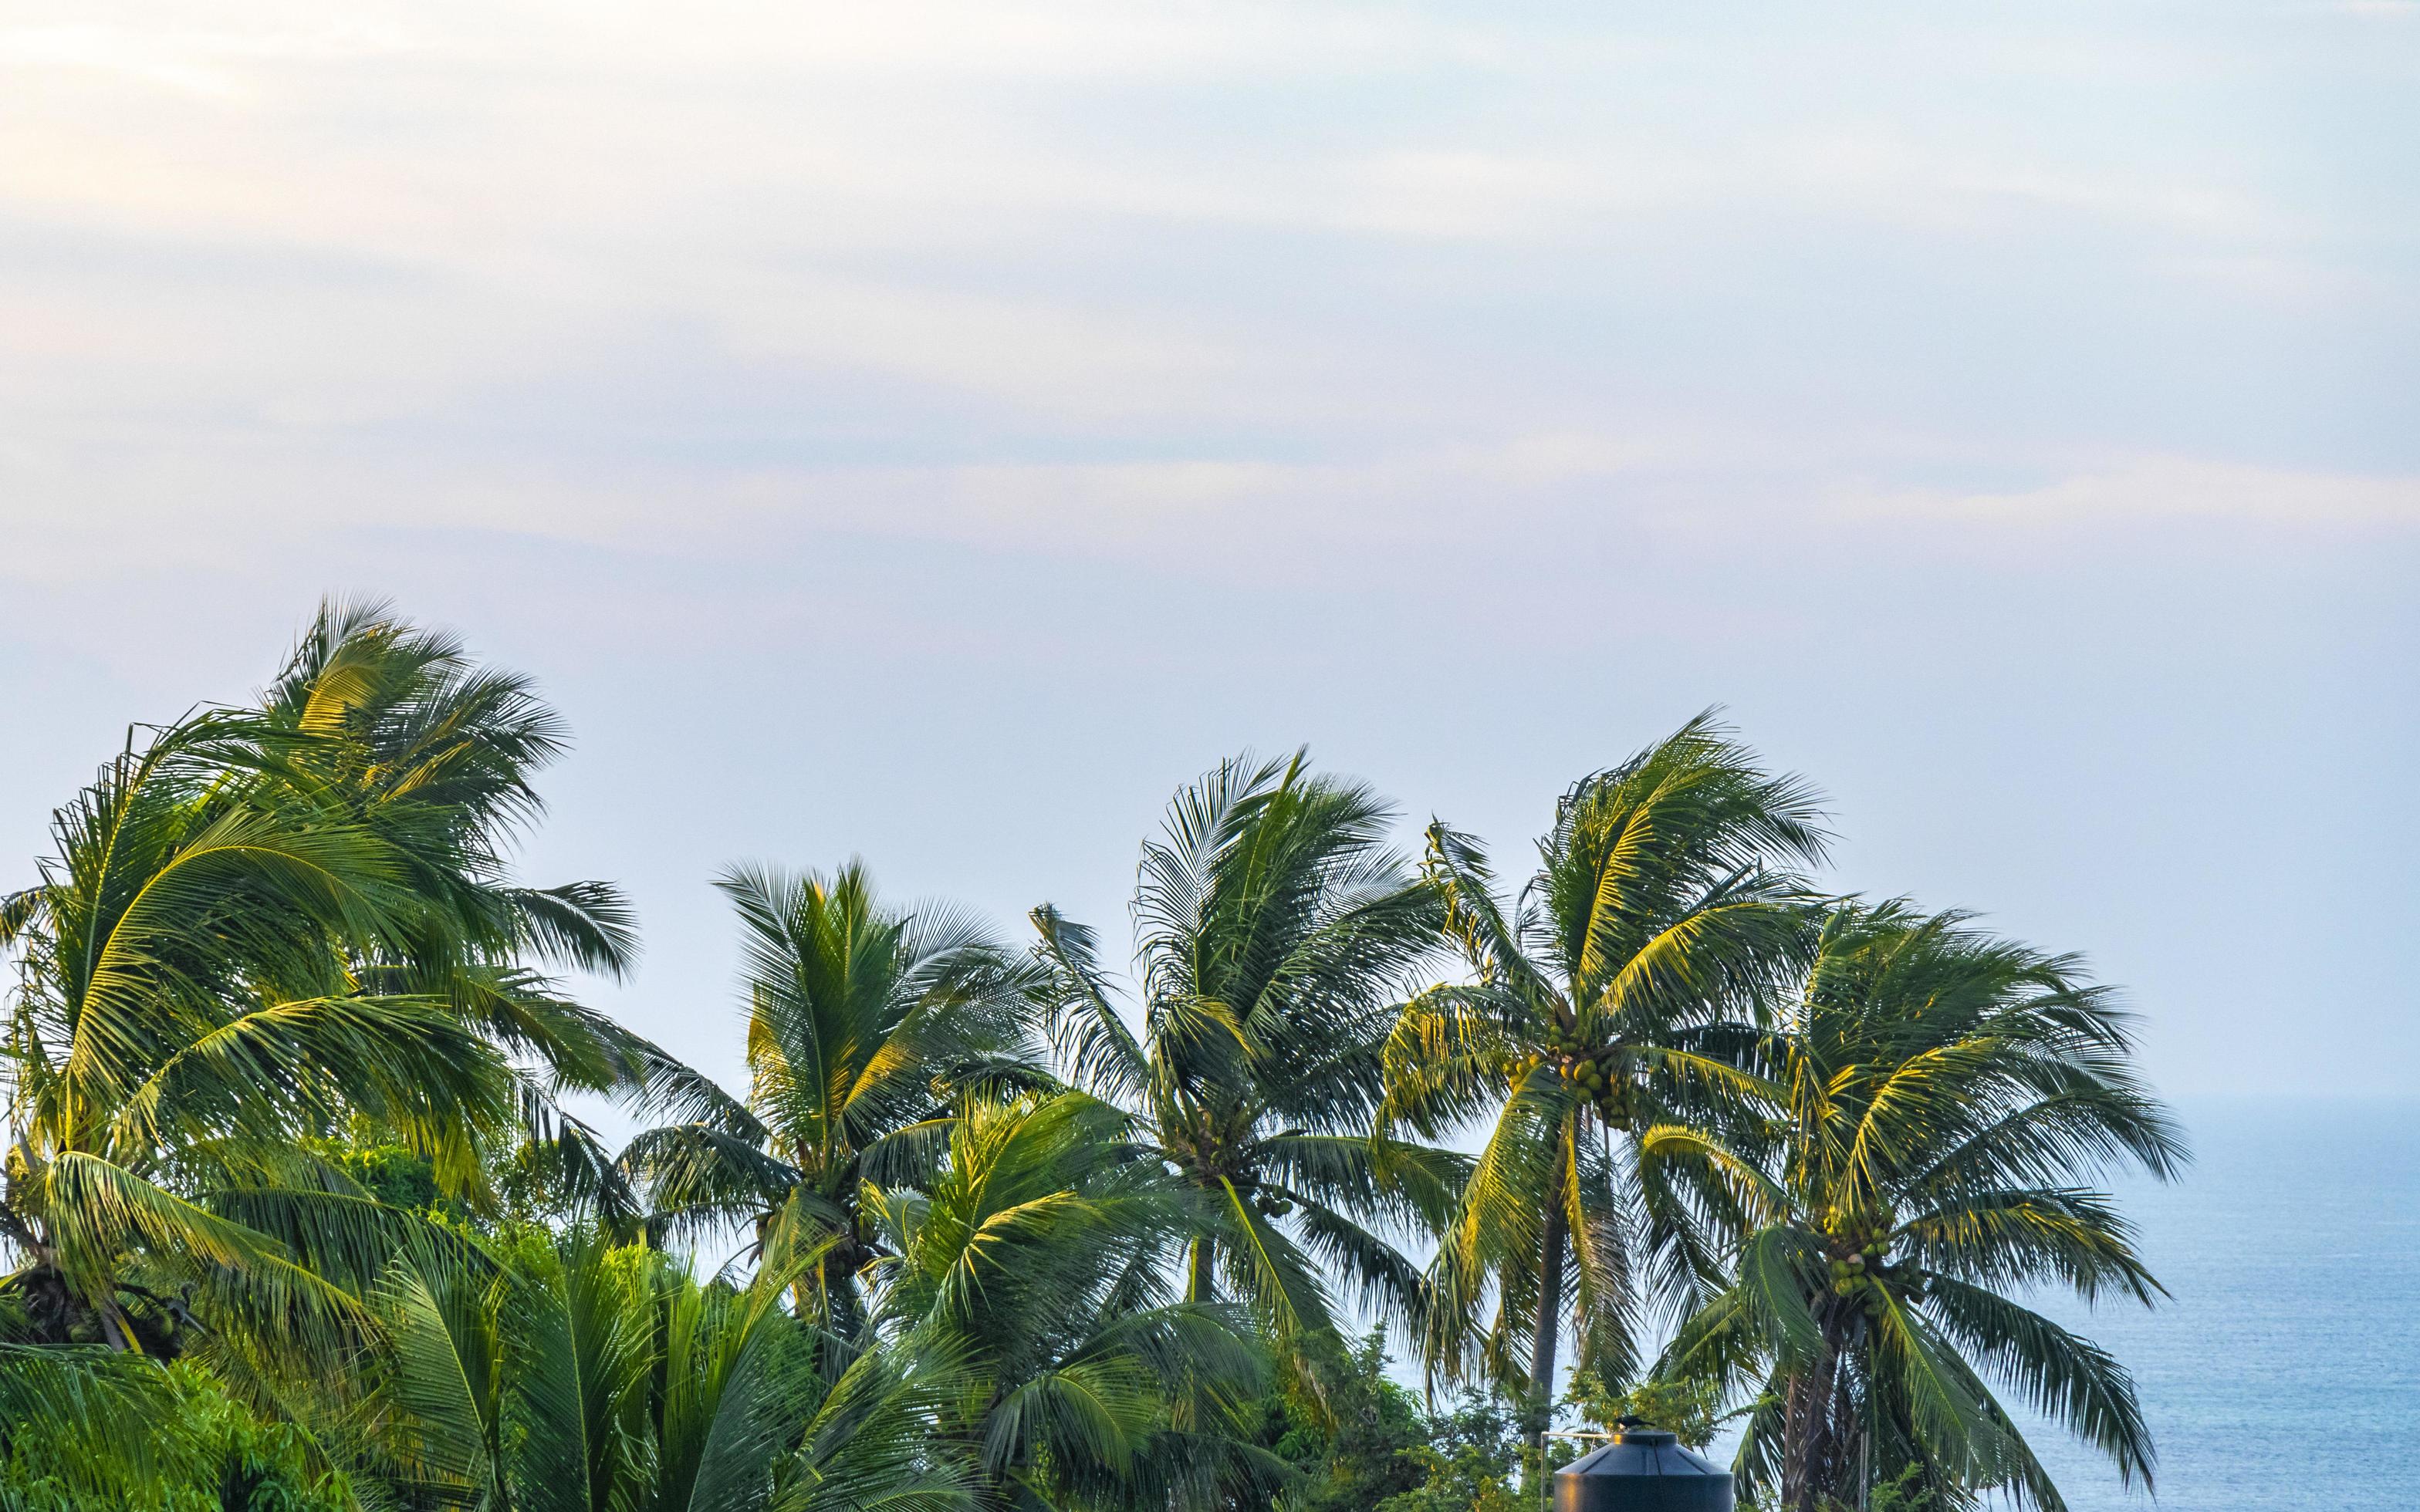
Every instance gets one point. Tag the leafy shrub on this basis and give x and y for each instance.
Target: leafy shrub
(1471, 1462)
(206, 1452)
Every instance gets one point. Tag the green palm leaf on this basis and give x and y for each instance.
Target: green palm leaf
(1276, 932)
(1927, 1106)
(1624, 988)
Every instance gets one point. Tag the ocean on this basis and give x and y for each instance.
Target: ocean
(2286, 1374)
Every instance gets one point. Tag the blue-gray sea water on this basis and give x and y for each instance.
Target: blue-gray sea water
(2286, 1374)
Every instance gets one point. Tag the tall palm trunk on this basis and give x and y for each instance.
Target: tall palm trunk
(1550, 1308)
(1198, 1283)
(1807, 1433)
(844, 1311)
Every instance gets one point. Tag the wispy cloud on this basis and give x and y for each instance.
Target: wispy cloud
(1171, 258)
(2183, 490)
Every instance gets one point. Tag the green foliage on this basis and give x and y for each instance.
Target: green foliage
(1940, 1102)
(297, 1221)
(1352, 1445)
(560, 1372)
(203, 1451)
(1626, 986)
(1472, 1463)
(862, 1022)
(1691, 1409)
(187, 1013)
(1029, 1265)
(1365, 1442)
(1903, 1492)
(257, 927)
(391, 1174)
(1277, 931)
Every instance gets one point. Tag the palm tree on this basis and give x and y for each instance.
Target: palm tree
(862, 1022)
(1031, 1260)
(184, 1014)
(415, 740)
(1622, 989)
(394, 729)
(1277, 932)
(559, 1373)
(1943, 1103)
(264, 926)
(65, 1419)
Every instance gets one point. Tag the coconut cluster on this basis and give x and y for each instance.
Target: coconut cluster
(1861, 1270)
(1853, 1273)
(1592, 1070)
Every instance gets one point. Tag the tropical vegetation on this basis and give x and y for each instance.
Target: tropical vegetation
(1277, 932)
(1627, 987)
(863, 1024)
(1913, 1176)
(305, 1204)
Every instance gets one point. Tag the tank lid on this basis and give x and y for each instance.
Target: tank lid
(1643, 1451)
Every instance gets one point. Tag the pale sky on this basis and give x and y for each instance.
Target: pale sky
(935, 431)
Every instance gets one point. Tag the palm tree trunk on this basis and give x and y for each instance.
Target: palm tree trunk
(1197, 1270)
(1806, 1430)
(1550, 1323)
(838, 1275)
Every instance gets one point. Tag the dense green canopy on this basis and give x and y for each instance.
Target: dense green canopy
(295, 1214)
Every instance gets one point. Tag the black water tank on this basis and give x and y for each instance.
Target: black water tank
(1643, 1469)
